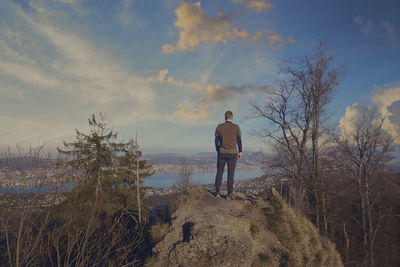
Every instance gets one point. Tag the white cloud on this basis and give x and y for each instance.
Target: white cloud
(386, 98)
(27, 74)
(88, 73)
(386, 102)
(27, 132)
(353, 115)
(57, 78)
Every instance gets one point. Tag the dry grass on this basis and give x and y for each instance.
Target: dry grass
(305, 247)
(193, 193)
(253, 208)
(159, 231)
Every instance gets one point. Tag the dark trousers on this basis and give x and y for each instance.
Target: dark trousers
(230, 159)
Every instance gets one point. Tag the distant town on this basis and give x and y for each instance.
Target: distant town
(251, 186)
(200, 162)
(45, 173)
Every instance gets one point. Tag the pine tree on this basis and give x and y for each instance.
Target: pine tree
(104, 167)
(92, 155)
(100, 219)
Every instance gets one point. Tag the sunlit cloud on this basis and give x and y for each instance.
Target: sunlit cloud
(189, 114)
(196, 27)
(275, 41)
(256, 6)
(163, 79)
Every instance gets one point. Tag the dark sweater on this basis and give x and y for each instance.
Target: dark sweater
(227, 137)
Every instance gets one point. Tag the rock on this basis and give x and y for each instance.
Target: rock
(210, 231)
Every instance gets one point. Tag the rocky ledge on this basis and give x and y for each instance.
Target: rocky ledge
(246, 231)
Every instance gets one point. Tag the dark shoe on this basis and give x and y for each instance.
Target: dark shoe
(229, 197)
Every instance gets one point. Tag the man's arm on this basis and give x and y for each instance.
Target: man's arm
(217, 140)
(239, 143)
(217, 143)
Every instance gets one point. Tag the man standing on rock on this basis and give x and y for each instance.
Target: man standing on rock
(227, 137)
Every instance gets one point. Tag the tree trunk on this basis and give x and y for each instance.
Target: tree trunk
(315, 155)
(364, 224)
(370, 228)
(138, 183)
(346, 245)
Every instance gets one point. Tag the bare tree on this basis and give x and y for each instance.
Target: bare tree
(184, 177)
(24, 218)
(365, 152)
(318, 79)
(294, 110)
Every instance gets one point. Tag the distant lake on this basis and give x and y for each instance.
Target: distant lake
(167, 180)
(156, 181)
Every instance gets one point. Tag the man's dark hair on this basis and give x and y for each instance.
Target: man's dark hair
(228, 115)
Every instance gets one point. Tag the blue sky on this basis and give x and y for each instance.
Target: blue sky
(172, 68)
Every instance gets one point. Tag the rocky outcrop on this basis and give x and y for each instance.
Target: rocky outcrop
(210, 231)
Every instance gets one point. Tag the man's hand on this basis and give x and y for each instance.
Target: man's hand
(240, 155)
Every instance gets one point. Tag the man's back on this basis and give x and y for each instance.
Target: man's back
(227, 133)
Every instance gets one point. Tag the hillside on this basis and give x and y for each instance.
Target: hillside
(210, 231)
